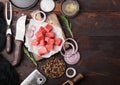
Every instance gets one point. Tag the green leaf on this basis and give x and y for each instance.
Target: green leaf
(68, 25)
(29, 55)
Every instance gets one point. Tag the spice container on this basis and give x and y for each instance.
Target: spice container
(74, 80)
(70, 7)
(47, 5)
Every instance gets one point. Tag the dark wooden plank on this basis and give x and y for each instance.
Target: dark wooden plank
(100, 60)
(86, 6)
(91, 24)
(99, 5)
(96, 24)
(96, 6)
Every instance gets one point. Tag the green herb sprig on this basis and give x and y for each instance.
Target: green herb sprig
(29, 55)
(68, 24)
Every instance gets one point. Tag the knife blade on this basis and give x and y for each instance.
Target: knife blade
(19, 38)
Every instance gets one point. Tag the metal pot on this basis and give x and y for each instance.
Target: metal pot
(24, 4)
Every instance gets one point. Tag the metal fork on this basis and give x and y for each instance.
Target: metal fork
(8, 32)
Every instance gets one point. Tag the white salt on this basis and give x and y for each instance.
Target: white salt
(47, 5)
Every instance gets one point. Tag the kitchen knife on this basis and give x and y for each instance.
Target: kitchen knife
(19, 38)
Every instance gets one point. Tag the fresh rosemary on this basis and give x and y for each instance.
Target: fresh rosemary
(68, 24)
(29, 55)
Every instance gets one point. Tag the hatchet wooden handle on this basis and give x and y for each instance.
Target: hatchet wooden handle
(18, 53)
(8, 43)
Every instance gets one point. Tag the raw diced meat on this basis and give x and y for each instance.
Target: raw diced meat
(50, 34)
(58, 41)
(42, 43)
(42, 51)
(40, 38)
(39, 34)
(48, 28)
(34, 42)
(42, 30)
(49, 47)
(47, 39)
(51, 41)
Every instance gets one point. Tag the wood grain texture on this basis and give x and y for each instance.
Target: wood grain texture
(96, 24)
(99, 5)
(97, 30)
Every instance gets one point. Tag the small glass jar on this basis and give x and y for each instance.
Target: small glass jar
(70, 7)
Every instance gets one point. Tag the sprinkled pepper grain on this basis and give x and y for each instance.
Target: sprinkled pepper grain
(54, 67)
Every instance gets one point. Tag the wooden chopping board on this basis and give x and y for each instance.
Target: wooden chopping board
(52, 19)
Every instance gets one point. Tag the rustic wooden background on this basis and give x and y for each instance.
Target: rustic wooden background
(97, 31)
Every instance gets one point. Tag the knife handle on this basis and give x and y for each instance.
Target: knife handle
(8, 43)
(18, 53)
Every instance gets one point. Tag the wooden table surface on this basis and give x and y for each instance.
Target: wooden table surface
(97, 31)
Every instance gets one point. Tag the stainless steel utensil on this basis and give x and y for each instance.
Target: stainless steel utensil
(24, 4)
(8, 32)
(35, 78)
